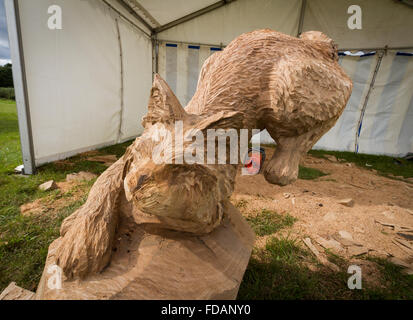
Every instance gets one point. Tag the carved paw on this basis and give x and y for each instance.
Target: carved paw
(68, 222)
(276, 172)
(85, 246)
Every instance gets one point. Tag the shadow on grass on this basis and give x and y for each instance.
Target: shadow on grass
(280, 271)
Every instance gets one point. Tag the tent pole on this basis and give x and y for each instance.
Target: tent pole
(363, 109)
(155, 53)
(302, 14)
(137, 16)
(221, 45)
(145, 14)
(121, 82)
(126, 19)
(20, 85)
(157, 56)
(376, 49)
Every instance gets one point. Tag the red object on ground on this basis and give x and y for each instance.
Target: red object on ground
(255, 160)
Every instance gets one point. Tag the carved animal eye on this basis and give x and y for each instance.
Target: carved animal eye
(141, 180)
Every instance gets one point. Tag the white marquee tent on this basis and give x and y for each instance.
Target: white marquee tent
(87, 84)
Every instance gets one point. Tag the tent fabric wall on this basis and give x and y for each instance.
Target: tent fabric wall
(74, 77)
(387, 126)
(226, 23)
(85, 89)
(384, 23)
(342, 137)
(137, 79)
(180, 63)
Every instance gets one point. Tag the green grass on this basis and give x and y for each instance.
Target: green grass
(24, 240)
(397, 284)
(383, 164)
(280, 271)
(24, 244)
(309, 173)
(267, 222)
(9, 136)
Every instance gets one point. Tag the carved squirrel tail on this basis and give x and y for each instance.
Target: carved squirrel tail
(87, 236)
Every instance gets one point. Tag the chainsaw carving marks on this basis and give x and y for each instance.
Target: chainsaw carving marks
(166, 229)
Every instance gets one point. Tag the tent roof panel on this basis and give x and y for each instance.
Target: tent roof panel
(167, 11)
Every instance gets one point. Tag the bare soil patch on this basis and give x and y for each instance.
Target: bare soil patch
(316, 206)
(67, 192)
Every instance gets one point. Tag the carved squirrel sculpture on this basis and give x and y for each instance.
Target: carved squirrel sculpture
(293, 87)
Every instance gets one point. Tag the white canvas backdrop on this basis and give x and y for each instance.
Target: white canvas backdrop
(137, 79)
(170, 10)
(228, 22)
(180, 63)
(384, 22)
(74, 77)
(387, 124)
(342, 137)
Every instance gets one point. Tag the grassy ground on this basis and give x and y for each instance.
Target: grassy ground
(24, 240)
(386, 166)
(267, 222)
(392, 167)
(278, 270)
(309, 173)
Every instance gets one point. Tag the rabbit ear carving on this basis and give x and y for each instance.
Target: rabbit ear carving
(163, 105)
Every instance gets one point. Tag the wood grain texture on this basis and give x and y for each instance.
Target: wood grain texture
(151, 230)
